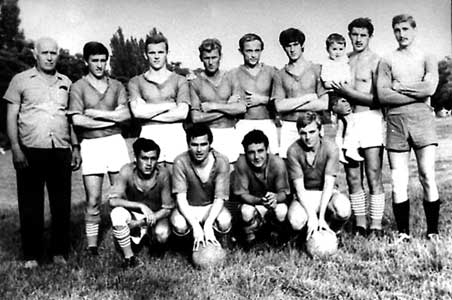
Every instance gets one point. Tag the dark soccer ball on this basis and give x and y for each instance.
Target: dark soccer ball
(208, 256)
(322, 243)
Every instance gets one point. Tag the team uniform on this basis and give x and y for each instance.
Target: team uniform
(225, 137)
(201, 195)
(274, 179)
(169, 136)
(44, 136)
(262, 116)
(289, 85)
(155, 193)
(326, 162)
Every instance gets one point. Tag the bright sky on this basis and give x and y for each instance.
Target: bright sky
(186, 23)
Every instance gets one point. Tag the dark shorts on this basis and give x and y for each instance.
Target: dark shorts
(414, 130)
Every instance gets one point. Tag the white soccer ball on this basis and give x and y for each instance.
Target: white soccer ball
(322, 243)
(208, 256)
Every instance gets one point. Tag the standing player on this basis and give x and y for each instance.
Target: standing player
(160, 98)
(298, 87)
(201, 185)
(97, 104)
(255, 81)
(41, 142)
(407, 78)
(369, 128)
(261, 184)
(313, 164)
(214, 101)
(141, 200)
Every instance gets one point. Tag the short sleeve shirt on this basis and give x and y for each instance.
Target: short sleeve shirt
(84, 96)
(186, 180)
(289, 85)
(173, 89)
(326, 162)
(156, 196)
(42, 120)
(275, 178)
(261, 83)
(204, 90)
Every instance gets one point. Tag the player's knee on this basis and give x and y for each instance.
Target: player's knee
(281, 212)
(224, 220)
(399, 179)
(248, 212)
(119, 216)
(162, 232)
(179, 224)
(297, 218)
(341, 207)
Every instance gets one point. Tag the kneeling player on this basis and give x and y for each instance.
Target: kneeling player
(142, 201)
(312, 165)
(201, 183)
(261, 184)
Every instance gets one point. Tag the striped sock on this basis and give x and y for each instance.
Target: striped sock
(122, 236)
(377, 208)
(358, 202)
(92, 231)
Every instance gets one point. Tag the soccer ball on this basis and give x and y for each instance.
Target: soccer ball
(208, 256)
(322, 243)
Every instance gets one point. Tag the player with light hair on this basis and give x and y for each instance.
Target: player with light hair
(407, 78)
(313, 165)
(215, 102)
(141, 201)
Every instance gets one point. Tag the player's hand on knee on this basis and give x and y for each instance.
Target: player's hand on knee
(149, 214)
(198, 236)
(209, 235)
(270, 200)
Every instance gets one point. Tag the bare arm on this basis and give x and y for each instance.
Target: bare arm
(120, 114)
(88, 122)
(229, 108)
(19, 159)
(327, 192)
(179, 113)
(307, 101)
(148, 111)
(200, 117)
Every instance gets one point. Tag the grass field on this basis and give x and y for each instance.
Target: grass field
(361, 269)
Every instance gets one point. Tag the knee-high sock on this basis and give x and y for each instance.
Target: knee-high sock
(92, 232)
(122, 235)
(377, 208)
(358, 202)
(402, 216)
(432, 215)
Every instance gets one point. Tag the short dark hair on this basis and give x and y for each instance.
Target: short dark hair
(254, 137)
(362, 23)
(335, 38)
(199, 130)
(145, 145)
(94, 48)
(307, 118)
(209, 45)
(248, 38)
(155, 37)
(403, 18)
(291, 35)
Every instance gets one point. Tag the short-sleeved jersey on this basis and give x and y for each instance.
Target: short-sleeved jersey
(289, 85)
(326, 162)
(42, 120)
(156, 195)
(85, 96)
(204, 90)
(173, 89)
(275, 178)
(405, 67)
(186, 180)
(261, 83)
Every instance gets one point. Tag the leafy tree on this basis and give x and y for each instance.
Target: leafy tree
(11, 36)
(443, 95)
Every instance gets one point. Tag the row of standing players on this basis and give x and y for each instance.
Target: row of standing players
(232, 104)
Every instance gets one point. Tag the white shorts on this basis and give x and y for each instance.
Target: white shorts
(104, 154)
(170, 138)
(267, 126)
(314, 198)
(370, 128)
(226, 142)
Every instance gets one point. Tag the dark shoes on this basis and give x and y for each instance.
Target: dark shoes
(132, 262)
(93, 251)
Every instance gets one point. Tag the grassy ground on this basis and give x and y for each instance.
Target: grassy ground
(361, 269)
